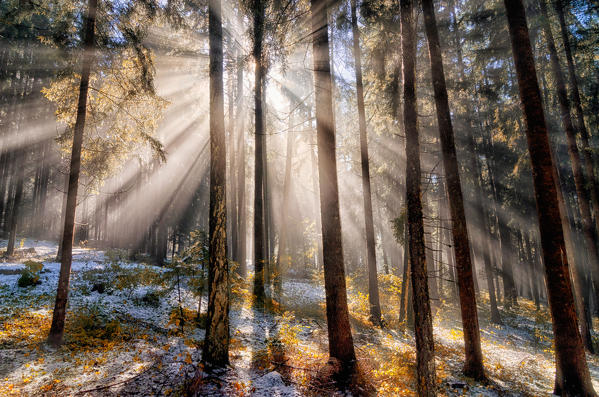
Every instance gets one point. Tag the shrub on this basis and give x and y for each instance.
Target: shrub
(89, 326)
(150, 298)
(30, 275)
(116, 255)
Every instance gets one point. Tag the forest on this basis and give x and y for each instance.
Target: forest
(299, 198)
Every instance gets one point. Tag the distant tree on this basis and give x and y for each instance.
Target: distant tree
(373, 287)
(572, 375)
(423, 326)
(341, 346)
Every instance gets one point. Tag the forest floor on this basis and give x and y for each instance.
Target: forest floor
(132, 330)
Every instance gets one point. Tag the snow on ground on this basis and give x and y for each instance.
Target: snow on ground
(152, 354)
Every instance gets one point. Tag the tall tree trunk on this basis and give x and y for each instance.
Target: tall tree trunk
(259, 226)
(473, 365)
(484, 224)
(478, 181)
(285, 206)
(315, 187)
(579, 180)
(216, 342)
(16, 202)
(572, 376)
(423, 326)
(581, 127)
(341, 346)
(507, 271)
(373, 286)
(60, 306)
(405, 281)
(232, 202)
(241, 229)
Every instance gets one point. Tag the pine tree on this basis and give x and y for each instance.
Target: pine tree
(216, 342)
(62, 292)
(341, 345)
(572, 378)
(423, 327)
(373, 287)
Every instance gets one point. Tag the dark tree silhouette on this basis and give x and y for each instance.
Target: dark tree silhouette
(62, 293)
(341, 346)
(373, 285)
(260, 249)
(572, 378)
(423, 326)
(216, 342)
(473, 365)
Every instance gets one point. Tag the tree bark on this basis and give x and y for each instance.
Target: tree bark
(580, 125)
(241, 229)
(341, 345)
(259, 226)
(216, 342)
(473, 365)
(579, 179)
(62, 292)
(285, 206)
(373, 286)
(423, 327)
(572, 372)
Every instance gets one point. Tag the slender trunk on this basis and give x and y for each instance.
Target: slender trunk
(60, 306)
(587, 151)
(341, 345)
(572, 376)
(259, 227)
(473, 365)
(16, 202)
(285, 207)
(373, 286)
(216, 342)
(232, 202)
(478, 182)
(507, 272)
(241, 229)
(579, 181)
(423, 327)
(315, 187)
(405, 281)
(482, 217)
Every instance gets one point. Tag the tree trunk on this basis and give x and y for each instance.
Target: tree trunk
(259, 226)
(232, 202)
(579, 181)
(60, 306)
(507, 271)
(315, 187)
(405, 281)
(16, 202)
(423, 327)
(482, 217)
(373, 286)
(216, 342)
(341, 345)
(241, 229)
(473, 365)
(572, 372)
(285, 206)
(581, 127)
